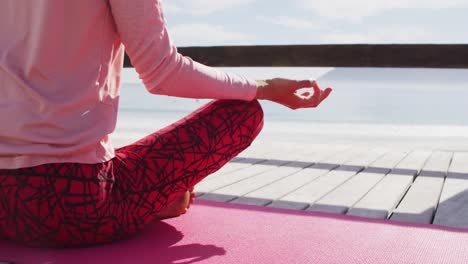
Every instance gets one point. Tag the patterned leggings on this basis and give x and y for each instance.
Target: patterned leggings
(70, 204)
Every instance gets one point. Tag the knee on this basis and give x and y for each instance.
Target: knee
(257, 112)
(246, 114)
(256, 108)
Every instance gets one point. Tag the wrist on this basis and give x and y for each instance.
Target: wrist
(261, 84)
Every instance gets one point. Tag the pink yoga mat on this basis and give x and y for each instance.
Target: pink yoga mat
(221, 233)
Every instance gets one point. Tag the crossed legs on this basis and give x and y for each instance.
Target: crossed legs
(69, 204)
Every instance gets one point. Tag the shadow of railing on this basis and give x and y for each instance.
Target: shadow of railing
(335, 166)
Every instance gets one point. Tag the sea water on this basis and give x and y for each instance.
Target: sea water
(373, 106)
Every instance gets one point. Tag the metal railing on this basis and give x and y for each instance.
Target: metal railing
(344, 55)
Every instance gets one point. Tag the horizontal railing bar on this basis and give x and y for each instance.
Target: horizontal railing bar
(342, 55)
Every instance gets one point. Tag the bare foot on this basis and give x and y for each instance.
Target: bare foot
(177, 207)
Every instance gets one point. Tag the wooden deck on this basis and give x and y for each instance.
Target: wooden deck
(424, 185)
(411, 185)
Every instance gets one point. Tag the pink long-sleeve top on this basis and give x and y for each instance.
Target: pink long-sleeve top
(60, 73)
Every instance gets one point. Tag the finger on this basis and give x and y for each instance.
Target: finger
(313, 101)
(316, 88)
(316, 103)
(326, 93)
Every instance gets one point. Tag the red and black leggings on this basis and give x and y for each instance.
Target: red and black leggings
(70, 204)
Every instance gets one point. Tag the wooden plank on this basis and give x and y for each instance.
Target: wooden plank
(290, 180)
(340, 55)
(343, 197)
(310, 174)
(253, 151)
(220, 180)
(420, 202)
(354, 162)
(241, 162)
(452, 209)
(261, 149)
(249, 180)
(231, 167)
(260, 155)
(256, 182)
(383, 198)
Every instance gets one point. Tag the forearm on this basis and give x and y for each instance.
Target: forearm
(191, 79)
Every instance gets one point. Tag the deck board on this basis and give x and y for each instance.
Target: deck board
(343, 197)
(453, 204)
(356, 160)
(251, 184)
(299, 196)
(220, 180)
(242, 161)
(246, 160)
(420, 202)
(383, 198)
(410, 185)
(280, 181)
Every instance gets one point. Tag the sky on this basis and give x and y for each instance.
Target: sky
(273, 22)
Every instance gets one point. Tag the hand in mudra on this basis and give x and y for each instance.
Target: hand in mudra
(285, 92)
